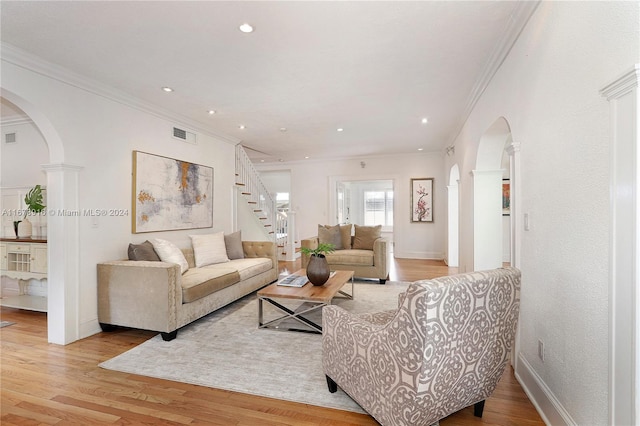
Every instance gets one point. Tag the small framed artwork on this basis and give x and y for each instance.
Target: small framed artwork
(170, 194)
(506, 197)
(422, 200)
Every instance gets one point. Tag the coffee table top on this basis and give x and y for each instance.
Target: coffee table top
(323, 293)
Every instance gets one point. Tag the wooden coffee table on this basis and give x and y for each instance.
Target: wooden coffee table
(312, 298)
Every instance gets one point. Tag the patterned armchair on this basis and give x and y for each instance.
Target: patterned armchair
(444, 348)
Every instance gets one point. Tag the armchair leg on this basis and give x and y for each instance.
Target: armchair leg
(167, 337)
(333, 386)
(383, 280)
(478, 408)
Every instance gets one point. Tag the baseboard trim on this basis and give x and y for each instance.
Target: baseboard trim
(418, 255)
(548, 406)
(89, 328)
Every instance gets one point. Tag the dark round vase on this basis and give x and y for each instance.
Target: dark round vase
(318, 269)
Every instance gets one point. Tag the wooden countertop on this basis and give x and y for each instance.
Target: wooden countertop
(23, 240)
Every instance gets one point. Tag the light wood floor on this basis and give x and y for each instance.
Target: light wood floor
(43, 383)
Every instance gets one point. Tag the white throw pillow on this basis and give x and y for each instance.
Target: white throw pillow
(169, 252)
(209, 249)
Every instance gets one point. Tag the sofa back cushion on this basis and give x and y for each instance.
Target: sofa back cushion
(365, 236)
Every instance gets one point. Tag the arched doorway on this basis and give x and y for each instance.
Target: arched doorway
(453, 248)
(487, 197)
(63, 324)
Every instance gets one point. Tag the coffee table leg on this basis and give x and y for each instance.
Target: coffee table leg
(316, 328)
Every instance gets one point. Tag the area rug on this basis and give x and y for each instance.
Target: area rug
(6, 323)
(226, 350)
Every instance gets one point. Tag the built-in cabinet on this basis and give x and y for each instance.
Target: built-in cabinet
(26, 262)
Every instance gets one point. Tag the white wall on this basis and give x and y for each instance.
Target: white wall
(548, 91)
(99, 135)
(22, 161)
(311, 197)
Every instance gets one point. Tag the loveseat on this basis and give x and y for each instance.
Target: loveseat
(365, 253)
(166, 295)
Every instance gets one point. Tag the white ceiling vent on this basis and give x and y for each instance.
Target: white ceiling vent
(184, 135)
(10, 138)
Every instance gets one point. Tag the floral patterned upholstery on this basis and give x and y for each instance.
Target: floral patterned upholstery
(444, 348)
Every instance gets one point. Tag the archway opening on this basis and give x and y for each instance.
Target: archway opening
(63, 257)
(490, 212)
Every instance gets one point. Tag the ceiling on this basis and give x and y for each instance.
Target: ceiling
(373, 69)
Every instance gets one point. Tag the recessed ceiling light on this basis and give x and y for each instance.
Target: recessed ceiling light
(340, 129)
(283, 129)
(425, 120)
(262, 161)
(306, 157)
(211, 112)
(167, 89)
(242, 127)
(246, 28)
(420, 149)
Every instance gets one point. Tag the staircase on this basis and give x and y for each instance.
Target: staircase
(279, 226)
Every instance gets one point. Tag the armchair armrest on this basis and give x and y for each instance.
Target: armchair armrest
(139, 294)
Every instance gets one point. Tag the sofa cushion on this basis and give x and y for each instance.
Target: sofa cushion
(351, 257)
(365, 236)
(330, 235)
(200, 282)
(143, 251)
(248, 268)
(345, 232)
(209, 249)
(233, 243)
(169, 252)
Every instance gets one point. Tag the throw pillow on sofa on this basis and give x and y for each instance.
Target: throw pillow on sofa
(169, 252)
(365, 236)
(233, 243)
(330, 235)
(143, 251)
(345, 232)
(209, 249)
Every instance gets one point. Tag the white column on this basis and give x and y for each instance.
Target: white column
(487, 219)
(454, 220)
(624, 296)
(516, 215)
(63, 316)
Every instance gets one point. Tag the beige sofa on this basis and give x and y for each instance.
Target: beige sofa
(155, 295)
(370, 261)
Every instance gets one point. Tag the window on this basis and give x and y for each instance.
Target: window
(378, 208)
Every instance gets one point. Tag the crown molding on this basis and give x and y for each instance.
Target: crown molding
(517, 22)
(623, 84)
(15, 121)
(30, 62)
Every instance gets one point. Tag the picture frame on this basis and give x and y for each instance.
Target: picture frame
(170, 194)
(422, 200)
(506, 197)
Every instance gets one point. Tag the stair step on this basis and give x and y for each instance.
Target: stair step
(257, 210)
(252, 202)
(263, 218)
(268, 225)
(240, 184)
(246, 193)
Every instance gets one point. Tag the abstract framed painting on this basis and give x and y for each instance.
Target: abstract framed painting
(422, 200)
(170, 194)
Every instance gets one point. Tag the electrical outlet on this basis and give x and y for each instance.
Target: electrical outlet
(541, 350)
